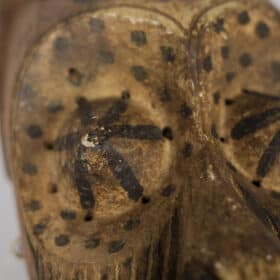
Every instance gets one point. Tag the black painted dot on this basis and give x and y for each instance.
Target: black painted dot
(131, 224)
(257, 183)
(125, 95)
(207, 63)
(164, 94)
(34, 131)
(88, 217)
(139, 73)
(115, 246)
(68, 215)
(62, 240)
(53, 188)
(262, 30)
(216, 97)
(139, 38)
(245, 60)
(219, 25)
(39, 229)
(49, 145)
(185, 111)
(225, 52)
(61, 43)
(145, 200)
(167, 133)
(230, 76)
(96, 24)
(244, 18)
(187, 150)
(30, 169)
(34, 205)
(168, 54)
(222, 139)
(55, 107)
(92, 243)
(106, 57)
(229, 102)
(75, 77)
(167, 191)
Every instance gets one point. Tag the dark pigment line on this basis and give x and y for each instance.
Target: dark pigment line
(142, 132)
(261, 94)
(123, 172)
(269, 156)
(260, 212)
(253, 123)
(83, 185)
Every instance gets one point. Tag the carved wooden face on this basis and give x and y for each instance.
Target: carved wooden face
(114, 107)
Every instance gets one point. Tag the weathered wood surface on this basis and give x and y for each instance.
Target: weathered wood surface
(143, 139)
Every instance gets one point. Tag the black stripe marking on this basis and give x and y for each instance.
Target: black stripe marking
(275, 221)
(82, 183)
(253, 204)
(123, 172)
(84, 188)
(253, 123)
(114, 113)
(269, 156)
(142, 132)
(261, 94)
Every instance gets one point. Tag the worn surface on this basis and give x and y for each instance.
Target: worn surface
(145, 140)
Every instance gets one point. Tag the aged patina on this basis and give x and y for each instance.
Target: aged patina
(143, 138)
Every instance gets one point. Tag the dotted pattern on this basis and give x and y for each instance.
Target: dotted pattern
(105, 121)
(248, 123)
